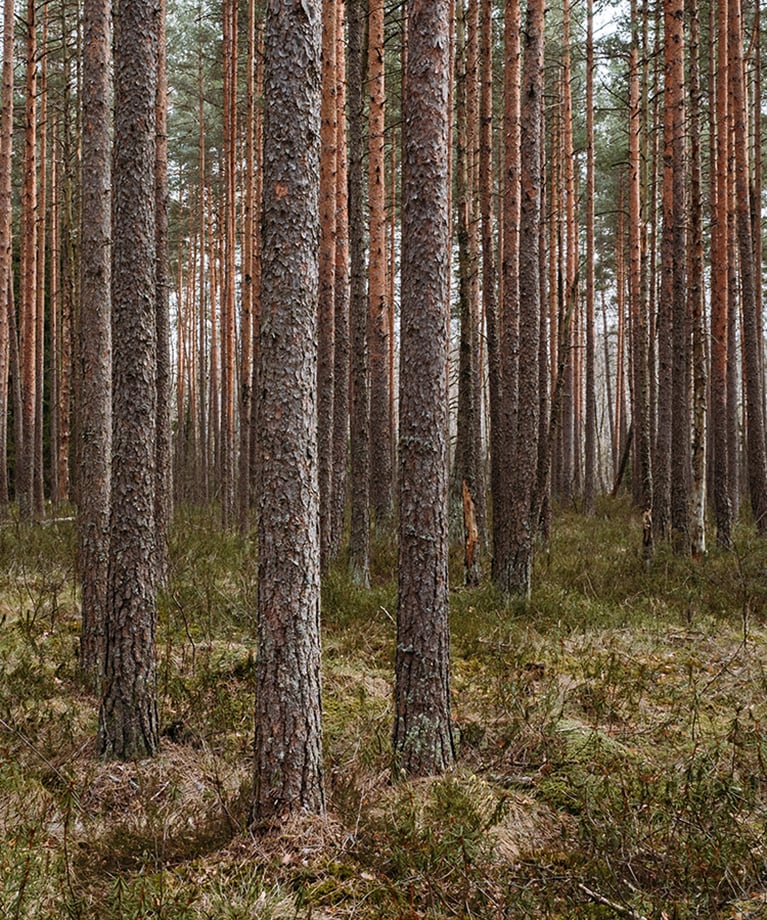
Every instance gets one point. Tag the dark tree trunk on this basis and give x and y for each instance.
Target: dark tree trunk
(128, 722)
(423, 740)
(25, 451)
(696, 301)
(637, 302)
(719, 294)
(288, 737)
(674, 147)
(359, 539)
(95, 350)
(515, 572)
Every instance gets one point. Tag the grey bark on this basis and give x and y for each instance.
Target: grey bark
(423, 740)
(288, 737)
(359, 540)
(128, 722)
(95, 348)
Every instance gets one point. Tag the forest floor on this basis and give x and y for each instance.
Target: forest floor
(612, 745)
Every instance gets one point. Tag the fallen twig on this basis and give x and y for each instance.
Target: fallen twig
(618, 908)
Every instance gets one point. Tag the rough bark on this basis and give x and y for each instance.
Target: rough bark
(719, 294)
(6, 149)
(341, 293)
(696, 300)
(590, 454)
(288, 736)
(752, 365)
(128, 721)
(246, 305)
(163, 452)
(468, 466)
(359, 539)
(327, 270)
(25, 451)
(95, 333)
(228, 266)
(489, 270)
(515, 574)
(675, 148)
(423, 740)
(381, 472)
(637, 304)
(509, 306)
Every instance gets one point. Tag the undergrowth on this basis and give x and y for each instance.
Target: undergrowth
(612, 754)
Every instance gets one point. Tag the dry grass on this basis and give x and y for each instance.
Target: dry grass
(612, 750)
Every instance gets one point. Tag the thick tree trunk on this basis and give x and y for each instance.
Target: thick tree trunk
(128, 721)
(288, 737)
(515, 574)
(95, 334)
(423, 740)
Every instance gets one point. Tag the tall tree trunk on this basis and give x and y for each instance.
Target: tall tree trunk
(467, 472)
(327, 269)
(719, 196)
(95, 334)
(489, 270)
(755, 437)
(288, 736)
(228, 390)
(6, 150)
(381, 476)
(163, 454)
(246, 308)
(38, 489)
(128, 721)
(359, 539)
(569, 414)
(637, 302)
(342, 345)
(509, 308)
(423, 740)
(696, 300)
(202, 344)
(25, 452)
(590, 457)
(675, 148)
(515, 576)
